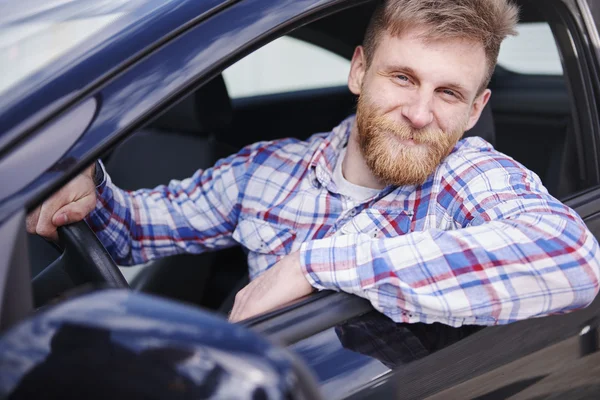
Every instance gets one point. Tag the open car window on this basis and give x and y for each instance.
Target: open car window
(286, 64)
(532, 51)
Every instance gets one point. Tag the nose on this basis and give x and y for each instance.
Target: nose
(418, 111)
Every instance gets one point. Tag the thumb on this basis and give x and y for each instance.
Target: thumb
(74, 211)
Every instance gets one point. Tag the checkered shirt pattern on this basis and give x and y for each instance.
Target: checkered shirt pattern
(481, 242)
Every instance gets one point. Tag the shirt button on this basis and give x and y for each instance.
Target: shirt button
(352, 213)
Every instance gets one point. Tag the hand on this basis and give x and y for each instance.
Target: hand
(281, 284)
(70, 204)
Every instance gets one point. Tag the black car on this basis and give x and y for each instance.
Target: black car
(140, 84)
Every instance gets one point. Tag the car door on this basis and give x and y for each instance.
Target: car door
(15, 289)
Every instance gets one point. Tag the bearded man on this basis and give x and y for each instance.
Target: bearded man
(391, 205)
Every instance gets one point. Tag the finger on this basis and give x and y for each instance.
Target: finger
(239, 305)
(32, 220)
(235, 311)
(233, 315)
(74, 211)
(45, 227)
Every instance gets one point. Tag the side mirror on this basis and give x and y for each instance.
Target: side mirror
(122, 344)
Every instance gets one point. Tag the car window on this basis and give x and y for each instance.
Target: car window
(284, 65)
(532, 51)
(34, 43)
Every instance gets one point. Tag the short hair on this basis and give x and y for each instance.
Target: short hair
(488, 22)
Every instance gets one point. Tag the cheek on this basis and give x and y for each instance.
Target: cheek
(384, 95)
(450, 117)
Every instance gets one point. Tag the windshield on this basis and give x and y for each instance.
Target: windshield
(34, 33)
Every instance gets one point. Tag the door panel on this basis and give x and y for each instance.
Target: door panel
(15, 296)
(587, 205)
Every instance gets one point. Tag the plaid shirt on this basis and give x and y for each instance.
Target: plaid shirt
(480, 242)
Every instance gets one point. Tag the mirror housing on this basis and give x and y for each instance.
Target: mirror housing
(122, 344)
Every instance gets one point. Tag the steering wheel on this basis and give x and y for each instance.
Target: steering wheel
(84, 260)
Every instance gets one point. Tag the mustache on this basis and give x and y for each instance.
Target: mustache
(426, 136)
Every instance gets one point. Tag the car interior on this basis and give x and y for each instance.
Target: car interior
(528, 118)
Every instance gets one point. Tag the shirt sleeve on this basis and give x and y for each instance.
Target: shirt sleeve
(517, 253)
(188, 216)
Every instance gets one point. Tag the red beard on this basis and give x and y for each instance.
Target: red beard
(390, 157)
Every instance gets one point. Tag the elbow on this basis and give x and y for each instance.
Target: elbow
(583, 272)
(572, 278)
(588, 284)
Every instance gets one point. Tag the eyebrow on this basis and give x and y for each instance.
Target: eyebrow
(406, 69)
(458, 87)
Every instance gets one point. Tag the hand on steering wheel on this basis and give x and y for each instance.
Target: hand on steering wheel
(84, 260)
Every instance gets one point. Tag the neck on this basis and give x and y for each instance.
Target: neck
(354, 167)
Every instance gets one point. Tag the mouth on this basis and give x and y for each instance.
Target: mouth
(410, 141)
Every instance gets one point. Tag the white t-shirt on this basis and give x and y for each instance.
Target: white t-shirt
(348, 189)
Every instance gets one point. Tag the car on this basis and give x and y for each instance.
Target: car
(140, 84)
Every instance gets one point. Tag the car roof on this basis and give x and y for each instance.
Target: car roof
(58, 47)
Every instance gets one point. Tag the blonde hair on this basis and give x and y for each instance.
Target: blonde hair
(485, 21)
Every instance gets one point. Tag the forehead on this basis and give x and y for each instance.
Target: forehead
(437, 60)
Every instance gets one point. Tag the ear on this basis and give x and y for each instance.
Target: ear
(358, 68)
(477, 107)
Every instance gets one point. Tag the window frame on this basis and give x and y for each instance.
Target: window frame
(577, 63)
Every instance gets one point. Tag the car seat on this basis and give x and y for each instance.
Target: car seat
(174, 146)
(484, 128)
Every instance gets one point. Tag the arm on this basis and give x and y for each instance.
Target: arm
(192, 215)
(518, 253)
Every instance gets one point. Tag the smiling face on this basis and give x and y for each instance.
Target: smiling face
(416, 99)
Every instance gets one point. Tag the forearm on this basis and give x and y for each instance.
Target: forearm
(498, 272)
(139, 226)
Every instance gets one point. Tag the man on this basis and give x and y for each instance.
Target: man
(389, 206)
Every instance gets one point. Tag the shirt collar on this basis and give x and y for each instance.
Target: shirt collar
(325, 157)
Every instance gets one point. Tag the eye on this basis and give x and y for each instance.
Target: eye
(449, 92)
(402, 78)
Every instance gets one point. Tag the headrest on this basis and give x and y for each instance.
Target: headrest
(208, 110)
(484, 128)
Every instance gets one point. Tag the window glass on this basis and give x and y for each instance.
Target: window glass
(33, 45)
(346, 357)
(532, 51)
(284, 65)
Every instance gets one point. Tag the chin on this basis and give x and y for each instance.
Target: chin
(403, 165)
(407, 149)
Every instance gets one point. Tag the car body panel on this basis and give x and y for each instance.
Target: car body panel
(143, 335)
(340, 371)
(56, 140)
(131, 27)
